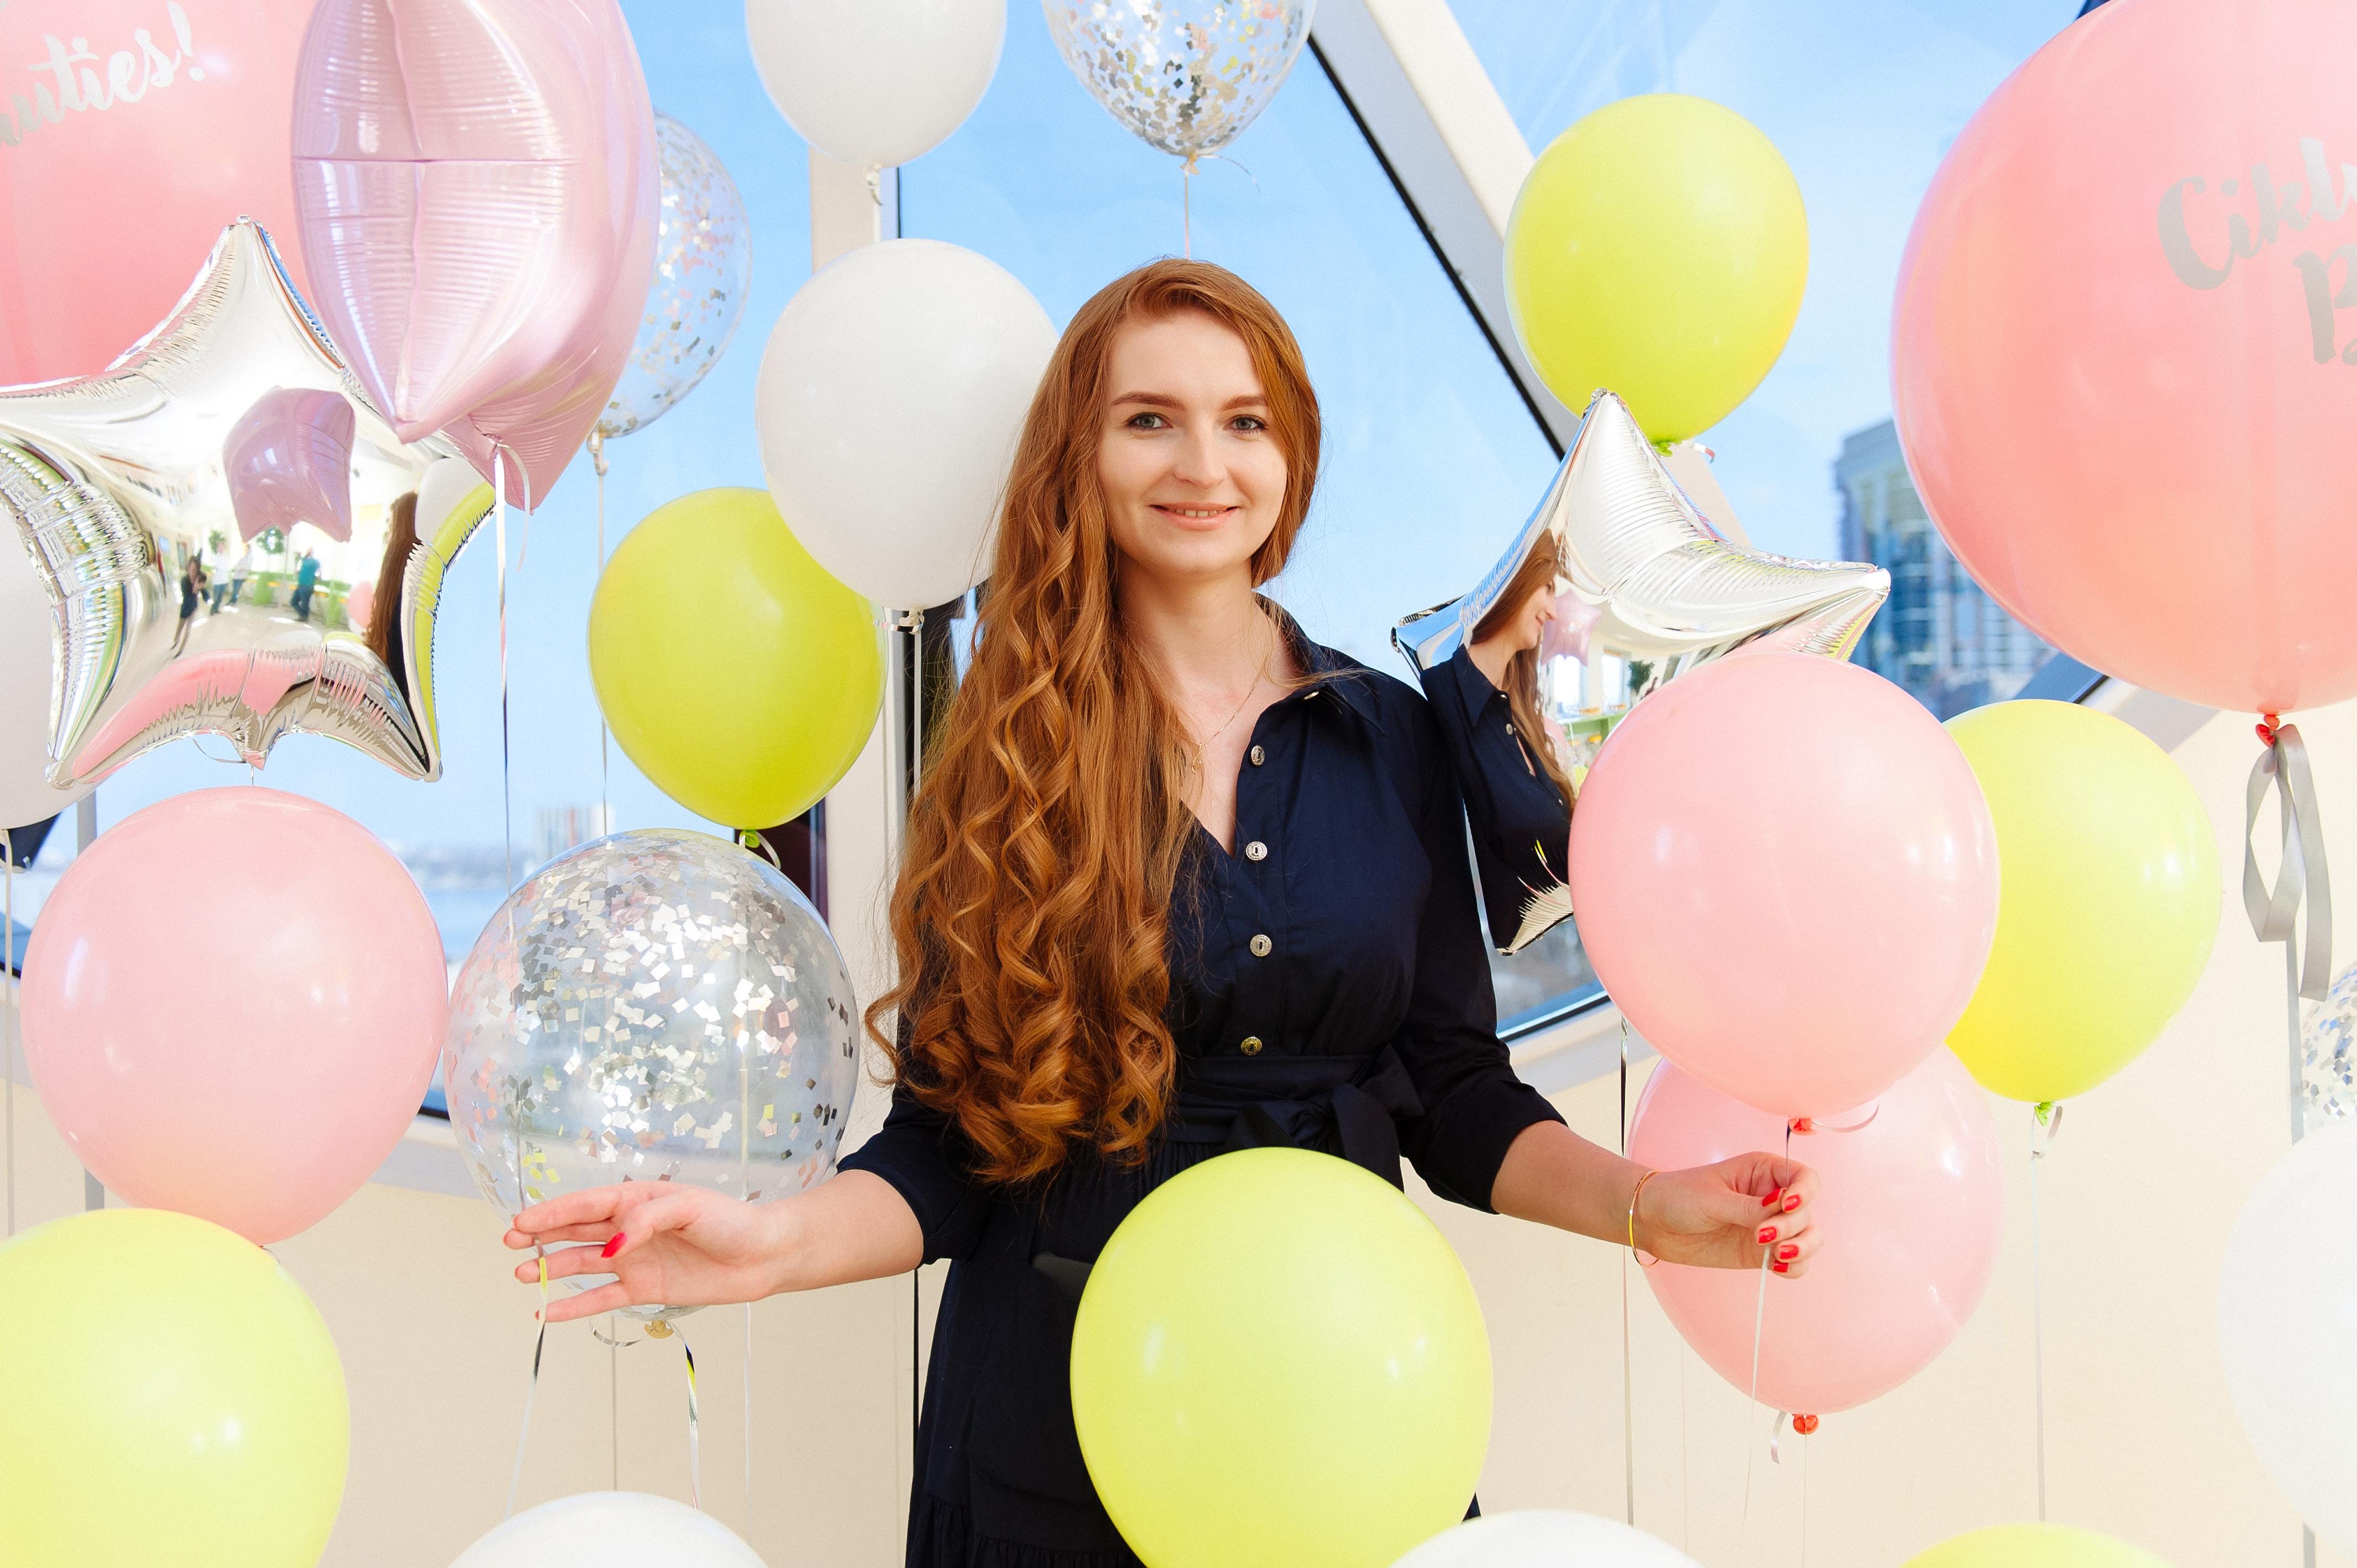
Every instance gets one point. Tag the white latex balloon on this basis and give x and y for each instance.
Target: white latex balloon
(2287, 1328)
(1545, 1537)
(610, 1529)
(26, 669)
(891, 394)
(875, 82)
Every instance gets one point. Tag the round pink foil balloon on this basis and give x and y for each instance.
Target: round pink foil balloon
(2125, 355)
(232, 1005)
(1786, 876)
(477, 186)
(132, 130)
(1911, 1208)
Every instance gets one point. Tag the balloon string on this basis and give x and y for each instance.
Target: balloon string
(1805, 1500)
(1685, 1465)
(532, 1388)
(1627, 1379)
(507, 789)
(748, 1418)
(614, 1397)
(1186, 209)
(605, 805)
(695, 1456)
(1758, 1326)
(2048, 1116)
(8, 978)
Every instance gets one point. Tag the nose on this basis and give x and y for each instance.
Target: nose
(1197, 460)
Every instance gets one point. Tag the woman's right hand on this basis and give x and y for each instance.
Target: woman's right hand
(666, 1245)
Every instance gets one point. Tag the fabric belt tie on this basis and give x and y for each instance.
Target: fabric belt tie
(1344, 1106)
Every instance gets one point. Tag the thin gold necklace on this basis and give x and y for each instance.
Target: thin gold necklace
(1250, 692)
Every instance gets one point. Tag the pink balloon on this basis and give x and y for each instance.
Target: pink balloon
(2125, 354)
(1911, 1208)
(360, 604)
(130, 132)
(478, 186)
(289, 460)
(232, 1005)
(1786, 876)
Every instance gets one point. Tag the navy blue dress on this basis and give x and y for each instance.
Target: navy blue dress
(1329, 990)
(1521, 823)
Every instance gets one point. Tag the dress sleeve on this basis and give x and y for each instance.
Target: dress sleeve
(1474, 1106)
(1522, 824)
(919, 1153)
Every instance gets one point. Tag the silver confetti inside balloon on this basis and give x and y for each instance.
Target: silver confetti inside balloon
(231, 424)
(2328, 1053)
(1184, 76)
(657, 1005)
(704, 265)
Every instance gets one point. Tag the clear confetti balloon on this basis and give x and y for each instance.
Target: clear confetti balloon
(704, 265)
(654, 1006)
(1184, 76)
(2328, 1053)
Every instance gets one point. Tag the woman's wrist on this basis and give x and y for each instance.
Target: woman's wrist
(783, 1244)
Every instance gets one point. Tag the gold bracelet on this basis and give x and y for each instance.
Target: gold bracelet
(1634, 1194)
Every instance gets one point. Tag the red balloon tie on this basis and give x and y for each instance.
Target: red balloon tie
(2267, 726)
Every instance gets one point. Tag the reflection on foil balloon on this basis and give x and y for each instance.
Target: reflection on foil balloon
(1646, 589)
(2328, 1053)
(289, 460)
(235, 409)
(475, 185)
(654, 1006)
(704, 265)
(1184, 76)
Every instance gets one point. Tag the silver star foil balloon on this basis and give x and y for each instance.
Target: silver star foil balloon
(1184, 76)
(2328, 1053)
(233, 419)
(704, 265)
(658, 1005)
(1646, 589)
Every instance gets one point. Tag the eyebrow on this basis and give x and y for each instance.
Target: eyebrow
(1162, 400)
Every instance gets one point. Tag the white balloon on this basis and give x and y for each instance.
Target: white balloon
(610, 1529)
(875, 82)
(1545, 1537)
(27, 666)
(891, 394)
(2287, 1328)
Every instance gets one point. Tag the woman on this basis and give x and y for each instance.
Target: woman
(1517, 793)
(384, 630)
(1180, 880)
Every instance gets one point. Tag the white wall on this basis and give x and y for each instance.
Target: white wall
(2139, 1193)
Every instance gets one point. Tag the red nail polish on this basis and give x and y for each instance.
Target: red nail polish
(1792, 1203)
(1783, 1268)
(1766, 1234)
(613, 1246)
(1788, 1251)
(1770, 1201)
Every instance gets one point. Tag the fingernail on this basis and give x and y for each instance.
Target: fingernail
(1766, 1234)
(1788, 1251)
(1770, 1201)
(613, 1246)
(1783, 1268)
(1792, 1203)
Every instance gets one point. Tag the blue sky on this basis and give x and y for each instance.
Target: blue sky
(1431, 460)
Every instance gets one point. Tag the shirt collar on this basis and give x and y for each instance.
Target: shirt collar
(1327, 670)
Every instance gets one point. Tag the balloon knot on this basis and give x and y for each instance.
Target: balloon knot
(1804, 1424)
(1804, 1124)
(2267, 726)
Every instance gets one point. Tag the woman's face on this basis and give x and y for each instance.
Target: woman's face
(1530, 623)
(1193, 477)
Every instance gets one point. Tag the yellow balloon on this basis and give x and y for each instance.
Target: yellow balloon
(1658, 249)
(739, 676)
(1279, 1363)
(2108, 898)
(173, 1398)
(2035, 1546)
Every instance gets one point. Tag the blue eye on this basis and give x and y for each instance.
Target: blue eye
(1251, 421)
(1138, 421)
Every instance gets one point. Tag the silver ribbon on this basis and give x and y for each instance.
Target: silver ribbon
(2302, 876)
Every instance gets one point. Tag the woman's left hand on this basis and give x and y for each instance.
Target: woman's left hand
(1726, 1215)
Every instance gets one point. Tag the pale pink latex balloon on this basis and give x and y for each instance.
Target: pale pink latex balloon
(1786, 876)
(232, 1005)
(134, 130)
(289, 460)
(478, 187)
(2125, 351)
(1912, 1208)
(1566, 633)
(360, 604)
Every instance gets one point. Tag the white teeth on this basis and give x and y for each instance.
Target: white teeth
(1196, 511)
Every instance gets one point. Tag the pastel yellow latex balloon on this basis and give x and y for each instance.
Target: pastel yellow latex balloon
(2035, 1546)
(1658, 249)
(739, 676)
(173, 1398)
(2108, 903)
(1279, 1363)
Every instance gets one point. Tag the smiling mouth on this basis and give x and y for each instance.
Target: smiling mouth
(1196, 516)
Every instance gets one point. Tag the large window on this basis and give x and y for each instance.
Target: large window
(1863, 98)
(1432, 459)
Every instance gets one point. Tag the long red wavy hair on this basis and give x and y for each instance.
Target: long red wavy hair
(1046, 838)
